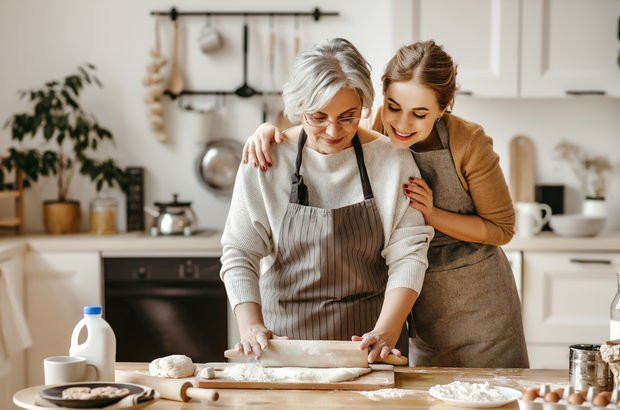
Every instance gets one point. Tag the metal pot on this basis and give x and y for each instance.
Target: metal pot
(218, 164)
(172, 218)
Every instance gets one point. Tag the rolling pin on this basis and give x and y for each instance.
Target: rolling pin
(171, 389)
(315, 353)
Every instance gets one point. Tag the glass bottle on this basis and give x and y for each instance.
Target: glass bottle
(614, 322)
(103, 216)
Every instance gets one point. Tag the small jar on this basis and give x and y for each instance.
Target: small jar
(103, 216)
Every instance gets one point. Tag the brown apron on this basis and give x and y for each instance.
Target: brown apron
(328, 279)
(468, 313)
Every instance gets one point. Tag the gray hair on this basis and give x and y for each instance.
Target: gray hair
(320, 72)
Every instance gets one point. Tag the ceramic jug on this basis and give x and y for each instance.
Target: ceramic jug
(531, 217)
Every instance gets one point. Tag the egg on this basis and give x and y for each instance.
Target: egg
(552, 397)
(601, 400)
(559, 391)
(576, 398)
(530, 394)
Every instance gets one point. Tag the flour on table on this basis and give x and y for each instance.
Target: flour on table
(257, 373)
(389, 393)
(481, 392)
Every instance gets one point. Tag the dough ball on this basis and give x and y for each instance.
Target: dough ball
(206, 373)
(175, 366)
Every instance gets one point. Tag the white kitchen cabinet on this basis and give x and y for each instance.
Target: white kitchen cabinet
(570, 47)
(58, 285)
(481, 35)
(527, 48)
(566, 299)
(13, 374)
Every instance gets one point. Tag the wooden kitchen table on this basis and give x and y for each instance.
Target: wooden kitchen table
(416, 379)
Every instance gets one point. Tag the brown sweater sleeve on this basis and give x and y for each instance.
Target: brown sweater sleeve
(485, 182)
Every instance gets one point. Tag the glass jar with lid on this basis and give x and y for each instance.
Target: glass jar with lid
(103, 216)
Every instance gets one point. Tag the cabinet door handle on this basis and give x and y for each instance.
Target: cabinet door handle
(585, 92)
(599, 261)
(465, 92)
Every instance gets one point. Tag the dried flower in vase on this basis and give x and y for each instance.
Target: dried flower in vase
(591, 171)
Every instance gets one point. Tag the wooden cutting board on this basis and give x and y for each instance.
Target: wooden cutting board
(522, 181)
(381, 377)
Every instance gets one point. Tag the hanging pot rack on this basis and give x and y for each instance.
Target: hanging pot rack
(245, 90)
(317, 14)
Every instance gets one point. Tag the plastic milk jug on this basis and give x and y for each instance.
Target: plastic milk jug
(99, 349)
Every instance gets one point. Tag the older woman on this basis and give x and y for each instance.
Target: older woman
(337, 264)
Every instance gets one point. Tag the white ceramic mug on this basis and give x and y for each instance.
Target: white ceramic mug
(531, 217)
(68, 369)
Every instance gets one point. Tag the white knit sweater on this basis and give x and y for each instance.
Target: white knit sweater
(260, 199)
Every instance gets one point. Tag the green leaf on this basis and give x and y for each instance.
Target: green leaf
(69, 100)
(48, 130)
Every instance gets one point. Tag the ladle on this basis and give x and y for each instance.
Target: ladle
(245, 91)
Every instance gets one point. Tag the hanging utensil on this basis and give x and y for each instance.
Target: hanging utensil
(245, 91)
(209, 39)
(175, 83)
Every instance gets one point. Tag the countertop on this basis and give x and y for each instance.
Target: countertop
(415, 380)
(208, 244)
(548, 241)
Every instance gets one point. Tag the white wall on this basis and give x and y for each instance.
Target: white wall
(41, 40)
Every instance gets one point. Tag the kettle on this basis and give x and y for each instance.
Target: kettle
(172, 218)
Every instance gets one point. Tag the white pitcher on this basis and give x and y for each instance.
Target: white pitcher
(531, 217)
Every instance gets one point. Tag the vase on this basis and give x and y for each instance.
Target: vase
(61, 217)
(595, 207)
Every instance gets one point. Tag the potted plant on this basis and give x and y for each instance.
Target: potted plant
(68, 138)
(592, 174)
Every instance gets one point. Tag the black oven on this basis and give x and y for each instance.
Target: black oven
(160, 306)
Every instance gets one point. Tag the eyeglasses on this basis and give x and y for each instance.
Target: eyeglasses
(324, 122)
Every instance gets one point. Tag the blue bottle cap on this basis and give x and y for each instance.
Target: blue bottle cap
(92, 310)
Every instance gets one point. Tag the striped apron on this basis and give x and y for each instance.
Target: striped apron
(468, 313)
(328, 279)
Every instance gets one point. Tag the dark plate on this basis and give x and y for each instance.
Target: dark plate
(54, 395)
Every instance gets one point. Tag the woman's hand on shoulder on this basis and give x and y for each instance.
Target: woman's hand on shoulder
(420, 197)
(257, 149)
(377, 344)
(254, 339)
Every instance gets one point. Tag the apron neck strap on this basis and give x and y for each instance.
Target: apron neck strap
(299, 190)
(442, 130)
(361, 165)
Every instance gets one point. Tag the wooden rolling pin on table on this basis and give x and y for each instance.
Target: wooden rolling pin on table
(315, 353)
(171, 389)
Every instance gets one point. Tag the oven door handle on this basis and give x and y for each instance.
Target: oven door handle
(157, 292)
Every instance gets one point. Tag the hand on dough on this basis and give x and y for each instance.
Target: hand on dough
(378, 345)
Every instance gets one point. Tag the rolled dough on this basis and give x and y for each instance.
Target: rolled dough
(256, 373)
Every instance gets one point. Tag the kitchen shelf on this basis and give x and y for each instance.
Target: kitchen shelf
(10, 222)
(9, 194)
